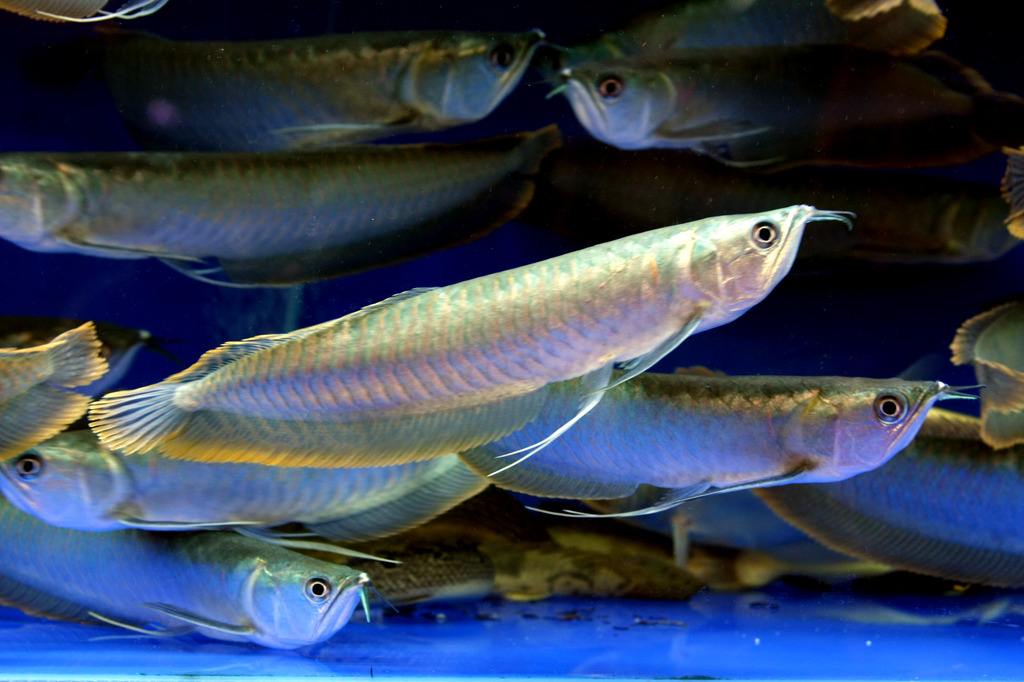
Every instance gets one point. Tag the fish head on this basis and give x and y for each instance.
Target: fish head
(621, 105)
(70, 481)
(738, 260)
(293, 600)
(36, 199)
(851, 426)
(467, 75)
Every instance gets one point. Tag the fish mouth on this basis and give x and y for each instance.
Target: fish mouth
(338, 606)
(584, 104)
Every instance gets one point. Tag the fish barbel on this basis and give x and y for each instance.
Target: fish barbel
(689, 435)
(788, 106)
(273, 218)
(437, 371)
(222, 585)
(72, 481)
(119, 345)
(81, 11)
(591, 194)
(326, 90)
(37, 396)
(994, 343)
(948, 506)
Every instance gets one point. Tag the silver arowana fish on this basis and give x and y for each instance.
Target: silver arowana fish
(693, 435)
(82, 11)
(119, 345)
(994, 343)
(432, 372)
(591, 194)
(37, 396)
(895, 26)
(948, 506)
(273, 218)
(326, 90)
(788, 106)
(221, 585)
(72, 481)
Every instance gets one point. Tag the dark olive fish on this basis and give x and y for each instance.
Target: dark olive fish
(994, 343)
(269, 218)
(326, 90)
(491, 545)
(796, 105)
(119, 345)
(948, 506)
(592, 194)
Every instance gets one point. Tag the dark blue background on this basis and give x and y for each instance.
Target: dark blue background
(865, 320)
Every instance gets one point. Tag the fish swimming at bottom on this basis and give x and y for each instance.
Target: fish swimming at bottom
(221, 585)
(948, 506)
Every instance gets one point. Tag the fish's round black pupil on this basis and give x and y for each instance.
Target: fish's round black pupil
(318, 589)
(29, 466)
(503, 55)
(765, 234)
(610, 87)
(889, 408)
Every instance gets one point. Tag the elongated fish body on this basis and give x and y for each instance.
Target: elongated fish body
(72, 481)
(222, 584)
(900, 27)
(680, 431)
(439, 371)
(271, 218)
(119, 345)
(994, 343)
(37, 387)
(788, 106)
(948, 506)
(594, 194)
(82, 10)
(310, 91)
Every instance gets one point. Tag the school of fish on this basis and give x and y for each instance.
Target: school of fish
(261, 493)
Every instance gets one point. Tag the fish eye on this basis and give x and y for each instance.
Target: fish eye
(503, 55)
(28, 466)
(318, 589)
(610, 87)
(890, 408)
(765, 234)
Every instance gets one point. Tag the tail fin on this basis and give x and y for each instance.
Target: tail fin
(1013, 190)
(76, 357)
(994, 343)
(140, 419)
(35, 415)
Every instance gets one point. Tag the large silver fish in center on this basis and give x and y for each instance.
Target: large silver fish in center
(438, 371)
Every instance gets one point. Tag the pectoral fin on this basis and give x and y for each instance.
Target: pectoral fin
(168, 632)
(142, 524)
(200, 621)
(716, 131)
(641, 364)
(673, 497)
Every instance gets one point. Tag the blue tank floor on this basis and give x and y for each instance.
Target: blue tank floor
(767, 635)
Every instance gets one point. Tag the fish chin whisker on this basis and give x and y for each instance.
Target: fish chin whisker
(845, 217)
(558, 90)
(958, 392)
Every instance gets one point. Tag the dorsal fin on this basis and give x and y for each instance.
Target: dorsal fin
(699, 371)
